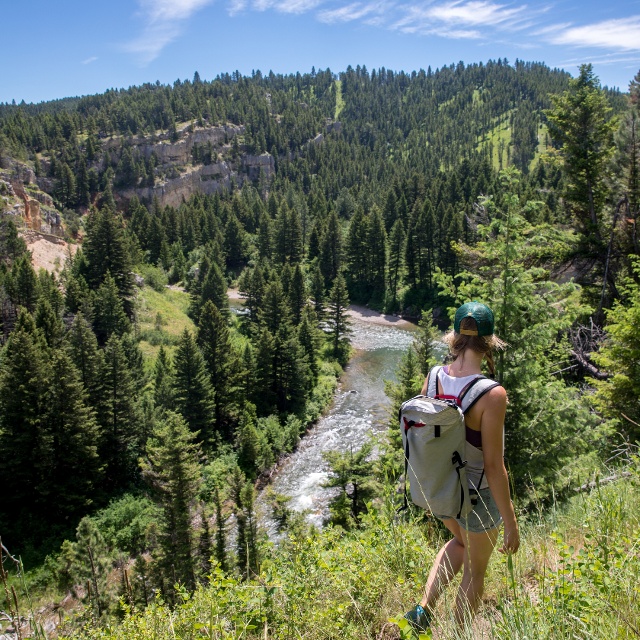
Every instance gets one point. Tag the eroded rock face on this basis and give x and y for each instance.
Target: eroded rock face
(180, 152)
(202, 179)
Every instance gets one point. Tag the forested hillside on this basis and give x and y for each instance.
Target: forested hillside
(139, 414)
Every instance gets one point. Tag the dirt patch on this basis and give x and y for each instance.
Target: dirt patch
(48, 252)
(374, 317)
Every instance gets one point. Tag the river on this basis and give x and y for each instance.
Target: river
(360, 407)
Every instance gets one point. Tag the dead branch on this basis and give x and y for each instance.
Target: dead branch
(596, 483)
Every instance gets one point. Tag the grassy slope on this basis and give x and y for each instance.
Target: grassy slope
(576, 576)
(172, 305)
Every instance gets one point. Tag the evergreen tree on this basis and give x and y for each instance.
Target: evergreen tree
(331, 250)
(49, 323)
(214, 340)
(68, 465)
(118, 416)
(423, 345)
(82, 346)
(352, 473)
(163, 392)
(377, 254)
(23, 375)
(106, 251)
(397, 240)
(580, 123)
(338, 320)
(309, 340)
(109, 314)
(318, 292)
(357, 252)
(23, 284)
(170, 466)
(265, 242)
(221, 534)
(214, 288)
(297, 295)
(192, 388)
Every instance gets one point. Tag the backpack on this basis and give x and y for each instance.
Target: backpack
(434, 441)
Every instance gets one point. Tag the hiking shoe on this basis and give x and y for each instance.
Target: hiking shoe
(418, 618)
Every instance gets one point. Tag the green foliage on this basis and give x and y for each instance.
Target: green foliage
(548, 425)
(617, 397)
(171, 467)
(155, 277)
(352, 473)
(126, 522)
(580, 121)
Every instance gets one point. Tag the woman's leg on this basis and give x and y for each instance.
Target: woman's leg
(478, 548)
(446, 565)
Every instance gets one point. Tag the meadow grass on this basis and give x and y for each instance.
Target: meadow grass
(577, 575)
(162, 317)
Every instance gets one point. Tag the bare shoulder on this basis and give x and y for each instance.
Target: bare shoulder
(493, 406)
(497, 394)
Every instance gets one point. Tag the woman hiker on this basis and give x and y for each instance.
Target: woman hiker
(475, 536)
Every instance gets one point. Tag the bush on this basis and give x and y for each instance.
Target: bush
(124, 523)
(154, 277)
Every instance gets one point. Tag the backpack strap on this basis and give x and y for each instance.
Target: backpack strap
(474, 391)
(432, 388)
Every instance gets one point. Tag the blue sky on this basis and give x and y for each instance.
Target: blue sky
(57, 49)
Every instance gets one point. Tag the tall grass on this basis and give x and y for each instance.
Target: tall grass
(577, 576)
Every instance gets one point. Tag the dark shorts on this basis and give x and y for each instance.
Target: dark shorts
(484, 517)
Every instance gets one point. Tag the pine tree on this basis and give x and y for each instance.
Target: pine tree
(68, 464)
(318, 292)
(170, 466)
(23, 375)
(105, 250)
(82, 346)
(352, 473)
(214, 288)
(357, 252)
(331, 250)
(214, 340)
(192, 389)
(423, 345)
(205, 550)
(23, 284)
(118, 416)
(49, 323)
(338, 320)
(397, 240)
(234, 242)
(221, 534)
(579, 121)
(265, 233)
(309, 340)
(109, 314)
(377, 252)
(163, 393)
(297, 295)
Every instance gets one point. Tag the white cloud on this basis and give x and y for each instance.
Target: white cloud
(287, 6)
(298, 6)
(90, 60)
(350, 12)
(462, 20)
(163, 23)
(236, 6)
(620, 34)
(474, 13)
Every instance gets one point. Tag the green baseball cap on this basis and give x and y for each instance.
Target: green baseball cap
(480, 313)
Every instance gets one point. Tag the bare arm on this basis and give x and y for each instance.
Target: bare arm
(492, 429)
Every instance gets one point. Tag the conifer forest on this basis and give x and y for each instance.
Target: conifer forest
(215, 234)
